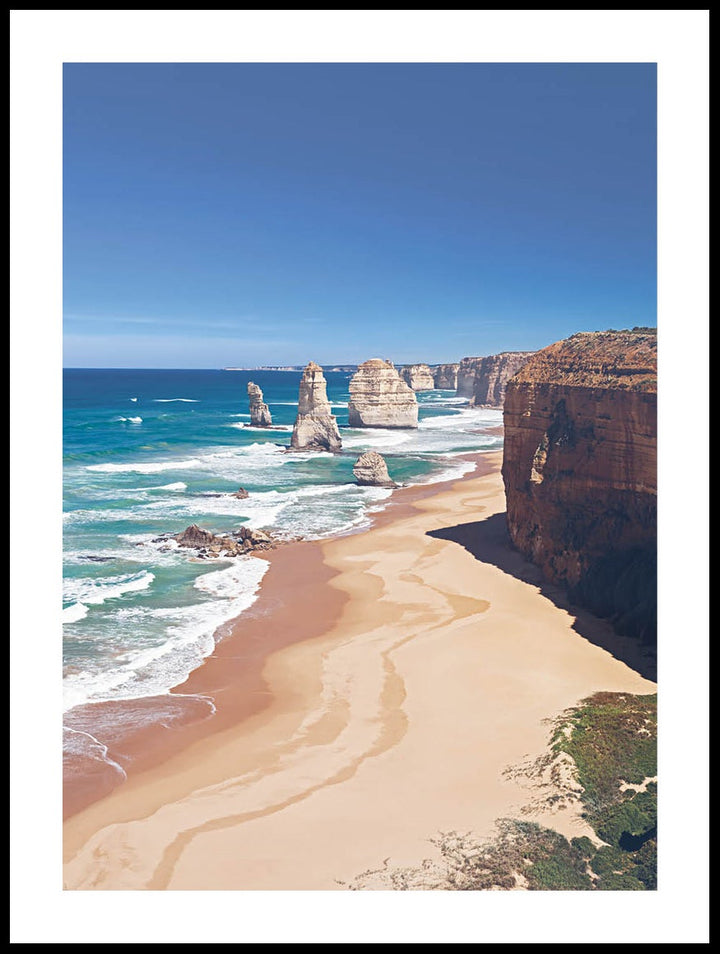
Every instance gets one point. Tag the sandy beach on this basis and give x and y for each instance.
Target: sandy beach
(374, 696)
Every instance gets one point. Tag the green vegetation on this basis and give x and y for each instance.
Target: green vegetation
(612, 740)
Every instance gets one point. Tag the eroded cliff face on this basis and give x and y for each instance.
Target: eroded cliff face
(445, 376)
(492, 375)
(380, 398)
(466, 376)
(315, 427)
(418, 376)
(580, 471)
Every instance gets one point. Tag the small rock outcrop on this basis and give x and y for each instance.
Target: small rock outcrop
(259, 411)
(208, 544)
(418, 376)
(492, 375)
(580, 471)
(315, 427)
(241, 493)
(445, 377)
(370, 470)
(380, 398)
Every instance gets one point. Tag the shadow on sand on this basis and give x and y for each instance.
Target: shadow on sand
(488, 541)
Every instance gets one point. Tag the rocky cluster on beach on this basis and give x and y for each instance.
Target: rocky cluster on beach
(315, 426)
(259, 411)
(370, 470)
(380, 398)
(580, 471)
(236, 543)
(418, 376)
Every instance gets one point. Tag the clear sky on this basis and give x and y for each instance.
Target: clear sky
(239, 214)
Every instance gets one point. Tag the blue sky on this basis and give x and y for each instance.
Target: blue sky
(239, 214)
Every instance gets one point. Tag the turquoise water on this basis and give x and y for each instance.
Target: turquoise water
(149, 452)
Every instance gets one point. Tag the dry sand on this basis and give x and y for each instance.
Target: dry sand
(424, 671)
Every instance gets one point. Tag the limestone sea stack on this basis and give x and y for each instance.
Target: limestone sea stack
(380, 398)
(371, 470)
(315, 427)
(445, 377)
(259, 411)
(418, 376)
(492, 375)
(580, 471)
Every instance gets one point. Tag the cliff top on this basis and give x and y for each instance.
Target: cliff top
(375, 363)
(605, 359)
(311, 366)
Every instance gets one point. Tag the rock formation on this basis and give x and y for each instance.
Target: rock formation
(579, 467)
(208, 544)
(315, 427)
(445, 376)
(371, 470)
(466, 376)
(418, 376)
(259, 411)
(492, 375)
(380, 398)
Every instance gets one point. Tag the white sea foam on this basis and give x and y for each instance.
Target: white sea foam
(375, 437)
(148, 467)
(79, 742)
(260, 430)
(72, 517)
(174, 400)
(177, 486)
(188, 637)
(215, 461)
(463, 418)
(95, 592)
(133, 399)
(127, 420)
(435, 398)
(74, 612)
(453, 471)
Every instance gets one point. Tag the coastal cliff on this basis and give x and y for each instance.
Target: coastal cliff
(466, 376)
(579, 467)
(259, 411)
(380, 398)
(492, 375)
(445, 376)
(315, 427)
(418, 376)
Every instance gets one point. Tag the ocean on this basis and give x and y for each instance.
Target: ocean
(149, 452)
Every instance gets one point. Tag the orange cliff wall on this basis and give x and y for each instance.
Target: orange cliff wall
(580, 471)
